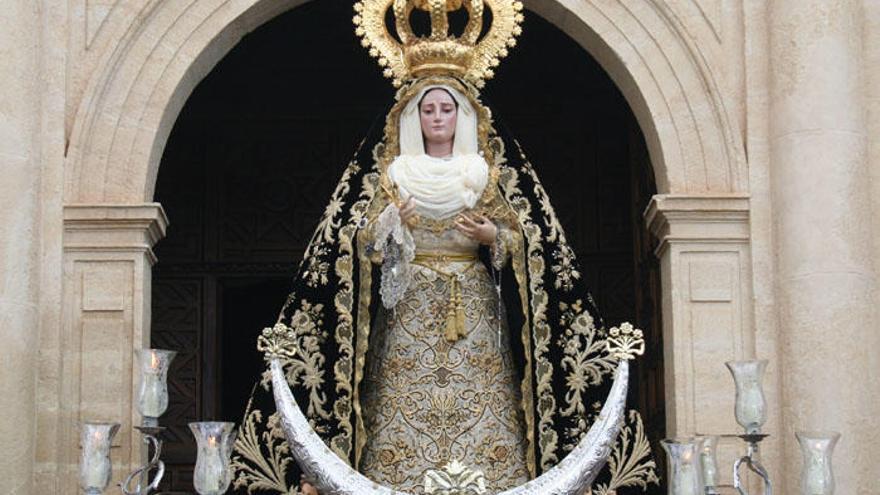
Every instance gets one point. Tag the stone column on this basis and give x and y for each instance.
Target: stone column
(107, 259)
(821, 203)
(706, 273)
(19, 240)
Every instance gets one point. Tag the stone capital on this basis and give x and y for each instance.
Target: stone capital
(695, 219)
(114, 228)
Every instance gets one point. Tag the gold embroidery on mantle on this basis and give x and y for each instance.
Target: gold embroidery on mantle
(540, 329)
(345, 329)
(305, 368)
(262, 471)
(377, 203)
(630, 463)
(585, 361)
(504, 213)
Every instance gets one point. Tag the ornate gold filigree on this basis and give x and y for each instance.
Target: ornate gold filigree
(261, 471)
(303, 367)
(566, 273)
(541, 329)
(507, 214)
(411, 56)
(439, 400)
(455, 479)
(344, 302)
(364, 238)
(584, 361)
(630, 463)
(277, 342)
(625, 342)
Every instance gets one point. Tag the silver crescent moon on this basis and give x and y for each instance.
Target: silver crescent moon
(333, 476)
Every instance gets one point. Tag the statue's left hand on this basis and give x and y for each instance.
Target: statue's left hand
(307, 489)
(477, 227)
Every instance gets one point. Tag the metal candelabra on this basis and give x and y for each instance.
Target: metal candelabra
(752, 462)
(141, 476)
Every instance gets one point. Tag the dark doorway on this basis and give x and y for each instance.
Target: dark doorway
(259, 145)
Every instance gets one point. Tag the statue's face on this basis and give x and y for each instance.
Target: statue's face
(438, 114)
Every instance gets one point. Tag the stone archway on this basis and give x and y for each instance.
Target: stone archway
(164, 50)
(131, 104)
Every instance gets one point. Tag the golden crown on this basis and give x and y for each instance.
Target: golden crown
(468, 56)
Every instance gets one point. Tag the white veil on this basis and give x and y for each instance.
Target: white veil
(440, 186)
(411, 142)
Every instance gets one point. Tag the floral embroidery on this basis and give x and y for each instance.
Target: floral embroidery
(316, 270)
(565, 268)
(267, 455)
(429, 401)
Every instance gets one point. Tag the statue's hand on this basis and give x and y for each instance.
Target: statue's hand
(307, 489)
(408, 212)
(478, 228)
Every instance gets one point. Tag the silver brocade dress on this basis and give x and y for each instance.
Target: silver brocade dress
(428, 401)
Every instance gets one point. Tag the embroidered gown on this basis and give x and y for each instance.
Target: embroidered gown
(430, 397)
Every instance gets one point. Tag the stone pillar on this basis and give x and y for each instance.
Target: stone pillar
(821, 203)
(20, 104)
(107, 258)
(707, 311)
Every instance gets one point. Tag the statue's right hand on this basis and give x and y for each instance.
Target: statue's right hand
(408, 211)
(307, 489)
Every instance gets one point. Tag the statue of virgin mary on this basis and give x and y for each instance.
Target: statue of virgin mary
(439, 314)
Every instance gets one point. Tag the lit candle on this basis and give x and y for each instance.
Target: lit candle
(215, 441)
(153, 393)
(152, 388)
(687, 476)
(95, 466)
(213, 465)
(817, 477)
(708, 462)
(751, 407)
(684, 475)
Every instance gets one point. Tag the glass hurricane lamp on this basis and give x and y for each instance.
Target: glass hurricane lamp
(95, 467)
(215, 441)
(751, 407)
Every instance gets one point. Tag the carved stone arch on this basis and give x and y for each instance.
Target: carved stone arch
(694, 143)
(163, 49)
(130, 106)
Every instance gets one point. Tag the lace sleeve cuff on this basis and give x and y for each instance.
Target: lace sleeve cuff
(500, 249)
(395, 247)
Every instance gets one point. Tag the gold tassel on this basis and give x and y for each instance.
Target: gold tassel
(455, 324)
(459, 314)
(451, 332)
(451, 320)
(455, 316)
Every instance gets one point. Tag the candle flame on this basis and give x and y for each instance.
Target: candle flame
(212, 441)
(154, 360)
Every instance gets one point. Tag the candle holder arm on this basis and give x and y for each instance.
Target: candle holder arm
(144, 471)
(755, 466)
